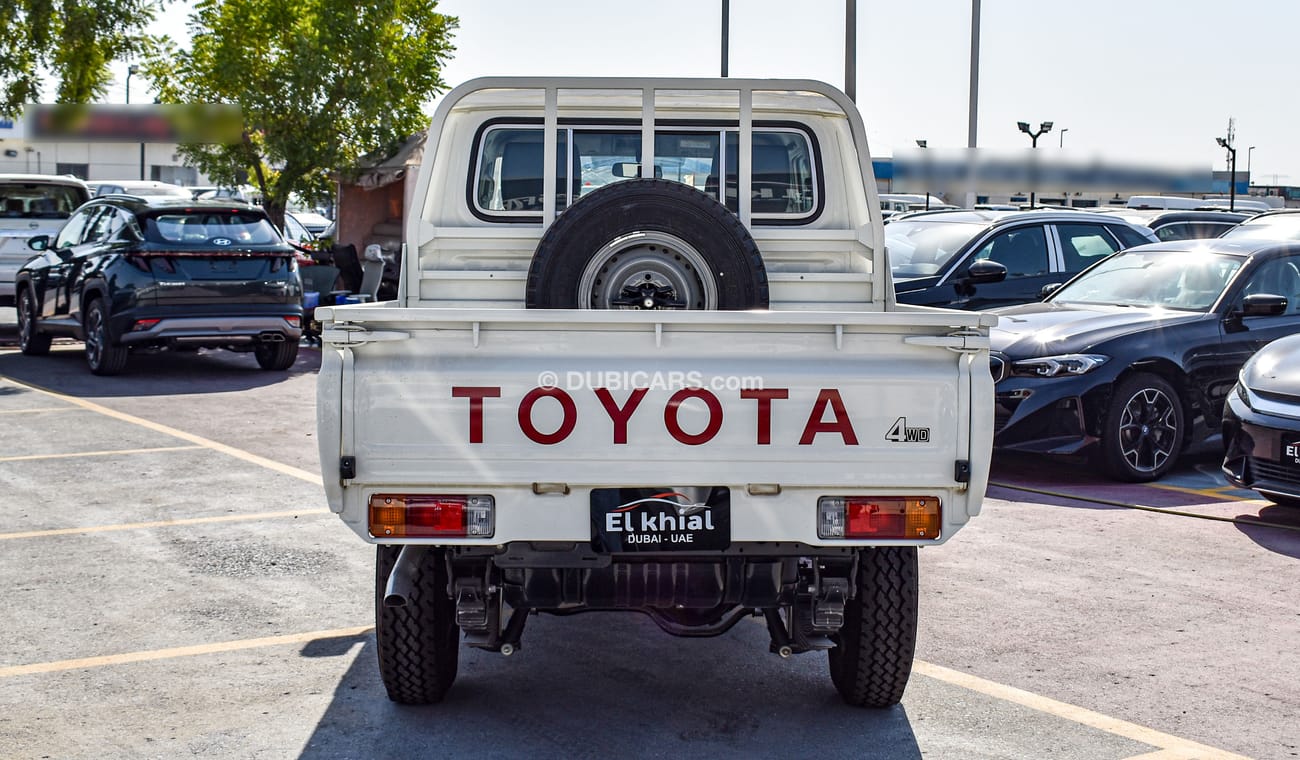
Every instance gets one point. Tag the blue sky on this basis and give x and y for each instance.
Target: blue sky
(1150, 80)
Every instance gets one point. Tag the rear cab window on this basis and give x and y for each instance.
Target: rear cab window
(506, 175)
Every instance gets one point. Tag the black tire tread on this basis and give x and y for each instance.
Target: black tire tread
(276, 357)
(621, 200)
(113, 358)
(872, 660)
(37, 343)
(418, 644)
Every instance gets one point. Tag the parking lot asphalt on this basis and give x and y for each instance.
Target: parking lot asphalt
(175, 587)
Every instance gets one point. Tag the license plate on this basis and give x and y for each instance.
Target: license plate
(1291, 452)
(660, 519)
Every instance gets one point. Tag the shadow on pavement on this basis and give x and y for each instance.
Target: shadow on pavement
(151, 373)
(1276, 540)
(1194, 482)
(636, 693)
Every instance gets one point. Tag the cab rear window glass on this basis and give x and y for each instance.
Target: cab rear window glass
(39, 201)
(508, 178)
(209, 228)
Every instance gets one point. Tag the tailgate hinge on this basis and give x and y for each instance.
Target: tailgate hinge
(355, 335)
(960, 342)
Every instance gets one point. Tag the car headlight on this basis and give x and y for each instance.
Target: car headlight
(1055, 366)
(1243, 394)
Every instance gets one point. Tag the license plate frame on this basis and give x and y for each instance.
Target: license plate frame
(1288, 451)
(660, 519)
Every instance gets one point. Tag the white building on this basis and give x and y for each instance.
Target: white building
(93, 161)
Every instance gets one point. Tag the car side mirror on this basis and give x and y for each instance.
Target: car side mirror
(986, 271)
(39, 242)
(1263, 305)
(1049, 289)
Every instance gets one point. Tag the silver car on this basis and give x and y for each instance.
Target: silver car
(31, 205)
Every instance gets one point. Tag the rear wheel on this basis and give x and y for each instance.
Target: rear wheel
(872, 658)
(31, 341)
(276, 356)
(419, 642)
(103, 356)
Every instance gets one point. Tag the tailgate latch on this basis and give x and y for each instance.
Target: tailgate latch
(960, 342)
(356, 335)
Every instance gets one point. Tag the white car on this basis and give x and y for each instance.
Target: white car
(31, 205)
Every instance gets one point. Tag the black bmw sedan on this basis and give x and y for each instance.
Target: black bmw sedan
(1261, 424)
(1131, 361)
(128, 272)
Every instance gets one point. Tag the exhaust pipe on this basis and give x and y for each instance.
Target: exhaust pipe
(271, 337)
(401, 581)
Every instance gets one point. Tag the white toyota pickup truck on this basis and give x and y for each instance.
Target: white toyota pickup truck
(646, 357)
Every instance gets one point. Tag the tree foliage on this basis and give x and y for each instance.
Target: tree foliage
(74, 39)
(319, 83)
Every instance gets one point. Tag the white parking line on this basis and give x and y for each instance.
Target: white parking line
(247, 456)
(1183, 748)
(166, 654)
(161, 524)
(74, 454)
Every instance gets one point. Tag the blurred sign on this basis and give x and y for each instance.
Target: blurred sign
(199, 123)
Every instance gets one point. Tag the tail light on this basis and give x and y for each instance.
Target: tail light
(141, 325)
(432, 515)
(293, 321)
(897, 517)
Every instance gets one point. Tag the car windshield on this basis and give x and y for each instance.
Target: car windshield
(921, 248)
(198, 227)
(1183, 280)
(34, 200)
(1280, 227)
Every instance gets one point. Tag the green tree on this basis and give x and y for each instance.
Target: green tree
(73, 39)
(319, 82)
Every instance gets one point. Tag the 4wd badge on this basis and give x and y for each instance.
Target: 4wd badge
(901, 433)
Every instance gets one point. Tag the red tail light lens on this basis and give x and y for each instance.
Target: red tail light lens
(894, 517)
(431, 515)
(141, 325)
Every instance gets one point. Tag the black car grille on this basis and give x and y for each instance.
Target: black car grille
(1263, 469)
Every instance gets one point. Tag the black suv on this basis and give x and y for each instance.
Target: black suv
(128, 272)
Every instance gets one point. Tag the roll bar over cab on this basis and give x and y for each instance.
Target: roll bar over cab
(688, 393)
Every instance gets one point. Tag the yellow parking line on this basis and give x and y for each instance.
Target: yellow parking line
(1083, 716)
(40, 409)
(166, 654)
(247, 456)
(161, 524)
(30, 457)
(1210, 493)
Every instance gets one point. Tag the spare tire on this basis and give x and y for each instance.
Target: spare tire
(647, 244)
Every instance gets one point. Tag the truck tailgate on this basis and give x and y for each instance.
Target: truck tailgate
(778, 406)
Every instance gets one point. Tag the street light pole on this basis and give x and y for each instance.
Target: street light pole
(1232, 171)
(1249, 150)
(132, 69)
(1043, 129)
(1063, 131)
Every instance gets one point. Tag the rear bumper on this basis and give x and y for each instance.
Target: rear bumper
(214, 330)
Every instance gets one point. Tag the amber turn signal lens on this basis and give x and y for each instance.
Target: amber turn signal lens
(432, 515)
